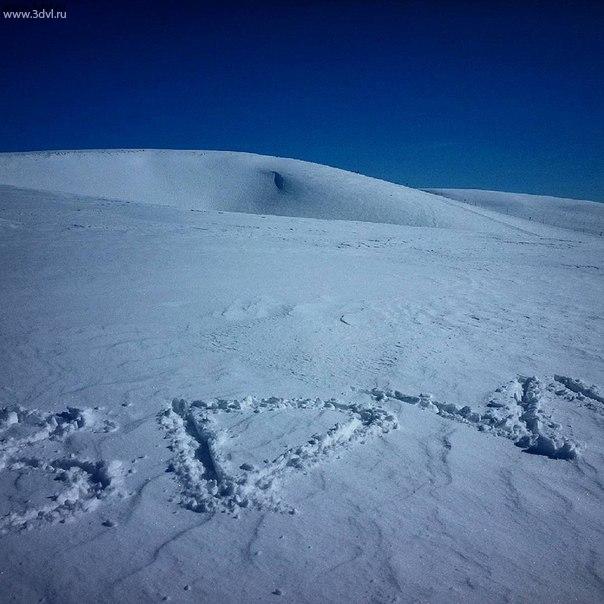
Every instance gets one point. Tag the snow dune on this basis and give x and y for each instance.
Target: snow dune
(237, 182)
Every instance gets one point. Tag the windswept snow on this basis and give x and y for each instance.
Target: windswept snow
(234, 378)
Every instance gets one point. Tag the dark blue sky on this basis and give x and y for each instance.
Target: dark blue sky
(506, 96)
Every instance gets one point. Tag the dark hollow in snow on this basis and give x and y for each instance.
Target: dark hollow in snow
(279, 181)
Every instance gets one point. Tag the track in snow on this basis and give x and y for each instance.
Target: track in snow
(218, 446)
(517, 410)
(43, 482)
(204, 466)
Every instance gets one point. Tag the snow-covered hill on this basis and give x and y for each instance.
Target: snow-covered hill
(579, 215)
(236, 182)
(219, 384)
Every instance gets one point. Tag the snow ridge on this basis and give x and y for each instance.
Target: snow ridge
(236, 182)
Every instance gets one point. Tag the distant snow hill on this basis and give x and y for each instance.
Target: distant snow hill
(574, 214)
(244, 182)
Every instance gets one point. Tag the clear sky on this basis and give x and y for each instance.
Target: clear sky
(499, 95)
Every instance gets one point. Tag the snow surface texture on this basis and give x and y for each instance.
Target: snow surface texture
(406, 409)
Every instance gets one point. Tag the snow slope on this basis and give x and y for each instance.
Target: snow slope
(248, 407)
(234, 182)
(578, 215)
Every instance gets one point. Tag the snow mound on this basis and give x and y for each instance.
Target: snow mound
(574, 214)
(235, 182)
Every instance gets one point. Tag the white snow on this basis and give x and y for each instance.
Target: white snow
(575, 214)
(234, 378)
(220, 481)
(234, 182)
